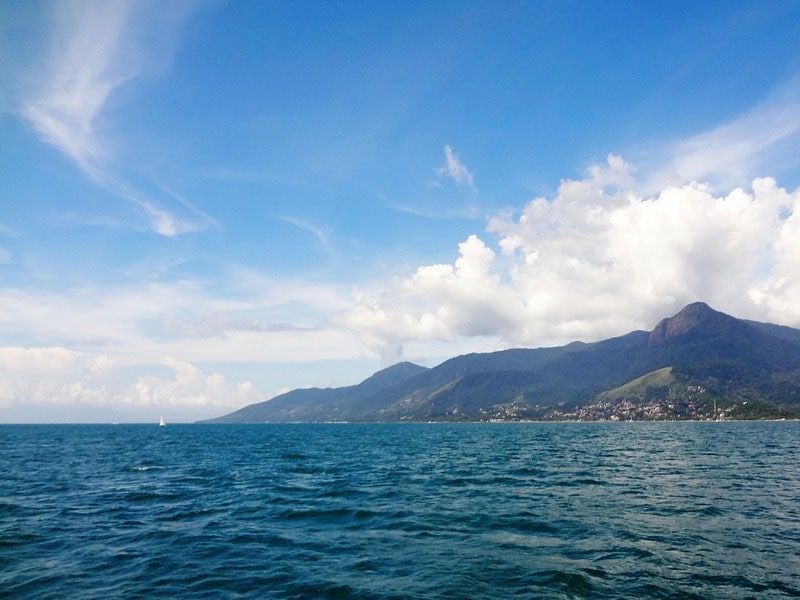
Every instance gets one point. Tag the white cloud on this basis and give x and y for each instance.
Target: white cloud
(52, 375)
(455, 169)
(88, 65)
(732, 154)
(96, 49)
(166, 223)
(245, 317)
(190, 387)
(37, 359)
(599, 260)
(56, 376)
(318, 232)
(438, 302)
(93, 349)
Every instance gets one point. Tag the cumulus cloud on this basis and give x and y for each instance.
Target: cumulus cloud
(454, 169)
(598, 260)
(97, 349)
(437, 302)
(189, 387)
(53, 376)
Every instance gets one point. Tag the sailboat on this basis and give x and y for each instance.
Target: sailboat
(161, 422)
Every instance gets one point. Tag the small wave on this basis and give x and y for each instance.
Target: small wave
(325, 591)
(581, 482)
(531, 527)
(366, 565)
(293, 456)
(147, 496)
(527, 472)
(308, 469)
(625, 552)
(579, 583)
(8, 507)
(710, 511)
(142, 468)
(340, 493)
(191, 514)
(249, 538)
(330, 513)
(457, 482)
(17, 539)
(363, 513)
(595, 572)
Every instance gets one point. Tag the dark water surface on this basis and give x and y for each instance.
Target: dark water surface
(570, 510)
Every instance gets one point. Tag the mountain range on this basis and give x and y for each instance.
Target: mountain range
(699, 364)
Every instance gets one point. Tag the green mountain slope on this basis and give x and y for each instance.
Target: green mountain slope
(641, 386)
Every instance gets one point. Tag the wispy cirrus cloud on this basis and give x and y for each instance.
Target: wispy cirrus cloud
(759, 142)
(315, 230)
(88, 63)
(96, 48)
(456, 170)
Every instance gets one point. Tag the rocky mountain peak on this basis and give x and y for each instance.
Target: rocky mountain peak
(688, 319)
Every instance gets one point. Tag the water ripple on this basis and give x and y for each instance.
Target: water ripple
(634, 510)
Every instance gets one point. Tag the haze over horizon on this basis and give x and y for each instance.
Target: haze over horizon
(207, 203)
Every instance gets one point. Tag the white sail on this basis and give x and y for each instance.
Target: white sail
(161, 422)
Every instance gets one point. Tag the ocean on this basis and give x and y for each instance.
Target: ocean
(506, 510)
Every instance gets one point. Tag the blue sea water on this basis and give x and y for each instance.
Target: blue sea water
(527, 510)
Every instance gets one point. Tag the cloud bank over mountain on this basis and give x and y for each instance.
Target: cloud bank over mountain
(596, 260)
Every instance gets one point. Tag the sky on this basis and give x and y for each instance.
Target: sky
(205, 204)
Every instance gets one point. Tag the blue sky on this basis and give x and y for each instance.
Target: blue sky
(206, 203)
